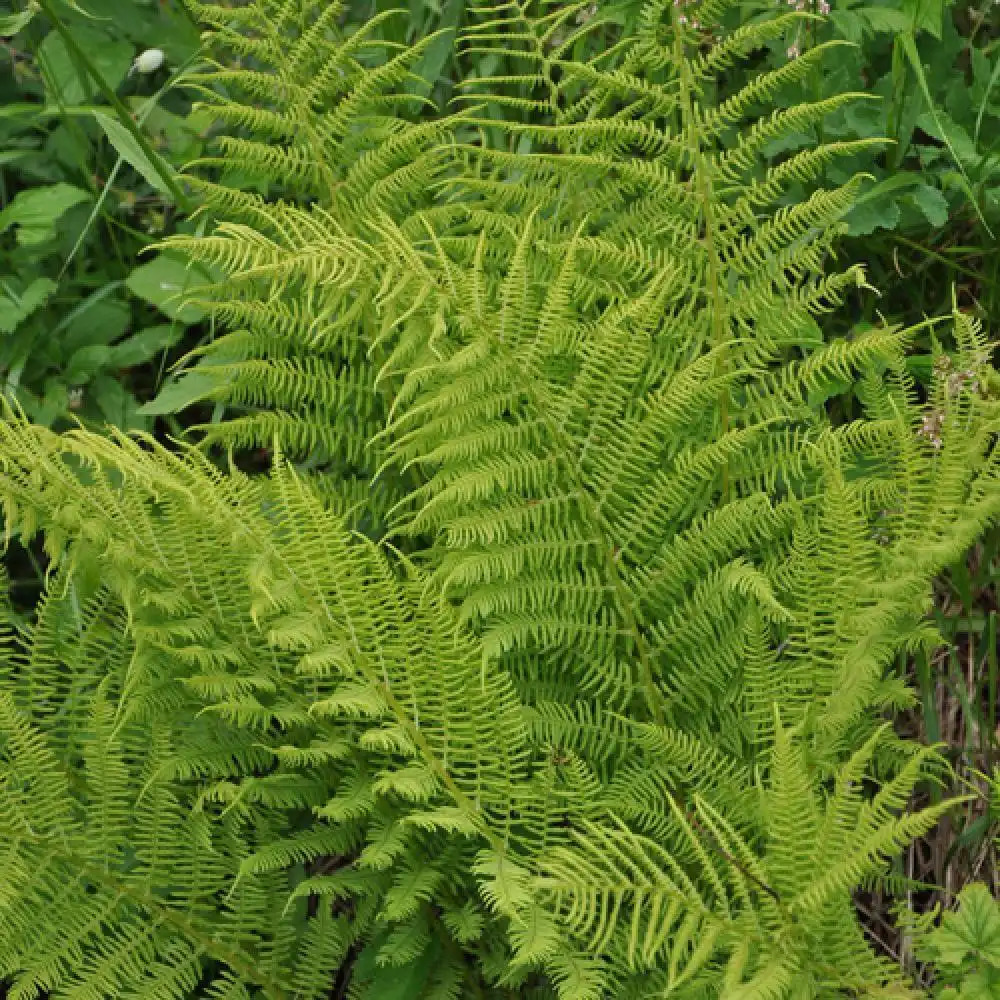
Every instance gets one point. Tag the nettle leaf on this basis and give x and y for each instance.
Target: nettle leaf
(932, 203)
(85, 363)
(981, 984)
(15, 307)
(973, 930)
(884, 19)
(878, 208)
(37, 210)
(849, 25)
(925, 15)
(944, 128)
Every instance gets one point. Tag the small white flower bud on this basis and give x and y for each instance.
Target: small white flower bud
(149, 61)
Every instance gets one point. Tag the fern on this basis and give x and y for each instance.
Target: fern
(552, 656)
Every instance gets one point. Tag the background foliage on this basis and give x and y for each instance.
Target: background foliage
(86, 327)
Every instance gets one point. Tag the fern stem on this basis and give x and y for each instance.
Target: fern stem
(461, 799)
(654, 697)
(703, 182)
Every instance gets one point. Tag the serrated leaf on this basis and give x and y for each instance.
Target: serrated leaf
(877, 208)
(884, 19)
(924, 15)
(848, 24)
(973, 929)
(981, 984)
(944, 128)
(932, 203)
(17, 307)
(86, 362)
(36, 211)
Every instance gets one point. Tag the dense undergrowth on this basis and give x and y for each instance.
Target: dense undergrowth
(583, 582)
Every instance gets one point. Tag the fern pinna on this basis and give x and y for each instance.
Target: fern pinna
(553, 656)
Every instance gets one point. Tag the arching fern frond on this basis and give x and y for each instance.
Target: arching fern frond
(609, 719)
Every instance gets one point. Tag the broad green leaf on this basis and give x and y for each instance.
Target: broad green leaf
(828, 389)
(924, 15)
(178, 394)
(865, 219)
(849, 25)
(182, 135)
(932, 203)
(884, 19)
(85, 363)
(144, 345)
(164, 26)
(131, 152)
(116, 404)
(439, 50)
(68, 83)
(94, 321)
(17, 307)
(877, 207)
(379, 981)
(164, 282)
(944, 128)
(974, 929)
(36, 211)
(910, 48)
(981, 984)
